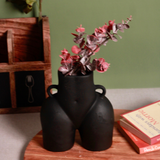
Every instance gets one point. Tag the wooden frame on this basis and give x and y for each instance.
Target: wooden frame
(25, 46)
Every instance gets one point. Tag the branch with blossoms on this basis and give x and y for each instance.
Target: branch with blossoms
(80, 62)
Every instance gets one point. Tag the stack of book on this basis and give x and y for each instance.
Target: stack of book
(141, 127)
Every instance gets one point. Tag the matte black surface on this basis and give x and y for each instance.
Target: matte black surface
(76, 105)
(22, 91)
(5, 96)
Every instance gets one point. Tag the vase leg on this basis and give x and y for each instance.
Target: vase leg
(97, 128)
(58, 130)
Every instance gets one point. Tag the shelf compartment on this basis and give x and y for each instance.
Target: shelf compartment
(3, 48)
(30, 88)
(25, 51)
(5, 96)
(29, 37)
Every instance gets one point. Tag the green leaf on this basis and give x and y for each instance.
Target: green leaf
(30, 2)
(27, 9)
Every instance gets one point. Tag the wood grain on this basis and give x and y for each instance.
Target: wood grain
(25, 46)
(120, 149)
(46, 40)
(13, 89)
(24, 66)
(12, 110)
(27, 38)
(10, 47)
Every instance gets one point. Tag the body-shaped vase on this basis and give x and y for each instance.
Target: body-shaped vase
(77, 105)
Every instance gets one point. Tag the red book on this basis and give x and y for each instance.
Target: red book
(144, 122)
(140, 146)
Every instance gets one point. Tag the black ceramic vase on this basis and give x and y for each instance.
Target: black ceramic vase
(77, 105)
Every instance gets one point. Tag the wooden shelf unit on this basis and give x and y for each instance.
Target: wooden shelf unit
(25, 46)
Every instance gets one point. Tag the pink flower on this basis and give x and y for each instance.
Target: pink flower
(91, 39)
(75, 49)
(66, 57)
(64, 54)
(100, 32)
(110, 25)
(80, 61)
(97, 50)
(101, 65)
(92, 43)
(79, 39)
(63, 69)
(75, 58)
(80, 29)
(66, 61)
(111, 22)
(105, 27)
(64, 51)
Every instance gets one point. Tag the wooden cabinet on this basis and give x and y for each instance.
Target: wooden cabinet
(25, 64)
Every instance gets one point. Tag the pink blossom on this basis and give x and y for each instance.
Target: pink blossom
(91, 39)
(63, 69)
(75, 49)
(110, 25)
(92, 43)
(79, 38)
(80, 62)
(64, 54)
(102, 29)
(64, 51)
(66, 57)
(101, 65)
(66, 61)
(75, 57)
(105, 27)
(94, 50)
(100, 32)
(97, 50)
(111, 22)
(80, 29)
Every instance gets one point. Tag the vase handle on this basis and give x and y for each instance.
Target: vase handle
(49, 88)
(101, 87)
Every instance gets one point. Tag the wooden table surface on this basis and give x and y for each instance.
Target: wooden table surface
(120, 149)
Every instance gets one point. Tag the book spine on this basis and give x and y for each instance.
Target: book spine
(151, 148)
(155, 139)
(134, 131)
(140, 146)
(146, 121)
(129, 137)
